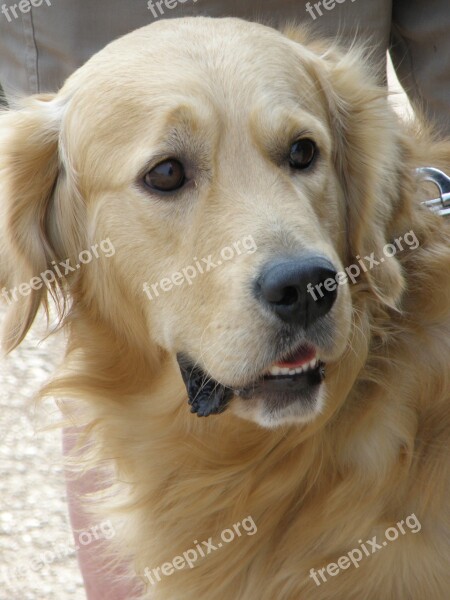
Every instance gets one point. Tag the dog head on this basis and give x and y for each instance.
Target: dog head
(237, 172)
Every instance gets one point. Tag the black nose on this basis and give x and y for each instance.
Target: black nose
(294, 288)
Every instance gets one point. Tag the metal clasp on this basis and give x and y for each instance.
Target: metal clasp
(441, 205)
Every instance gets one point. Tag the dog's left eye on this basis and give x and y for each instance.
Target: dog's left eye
(302, 154)
(167, 176)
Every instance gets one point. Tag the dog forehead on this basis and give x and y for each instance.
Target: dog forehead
(225, 55)
(225, 68)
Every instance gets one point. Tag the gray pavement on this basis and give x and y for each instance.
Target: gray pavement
(37, 560)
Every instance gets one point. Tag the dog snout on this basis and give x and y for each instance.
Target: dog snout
(293, 288)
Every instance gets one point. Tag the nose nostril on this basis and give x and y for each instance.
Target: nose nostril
(290, 296)
(288, 288)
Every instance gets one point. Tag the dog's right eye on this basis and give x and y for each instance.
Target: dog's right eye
(167, 176)
(302, 154)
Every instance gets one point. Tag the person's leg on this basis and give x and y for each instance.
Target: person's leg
(2, 97)
(420, 52)
(40, 48)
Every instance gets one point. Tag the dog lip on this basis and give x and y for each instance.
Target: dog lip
(300, 357)
(205, 396)
(290, 372)
(296, 372)
(296, 386)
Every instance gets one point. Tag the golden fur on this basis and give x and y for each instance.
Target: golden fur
(234, 92)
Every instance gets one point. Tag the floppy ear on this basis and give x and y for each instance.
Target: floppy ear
(368, 152)
(31, 191)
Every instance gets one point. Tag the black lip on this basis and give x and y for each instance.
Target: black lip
(208, 397)
(205, 395)
(295, 385)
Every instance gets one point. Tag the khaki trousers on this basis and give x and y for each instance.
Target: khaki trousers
(43, 41)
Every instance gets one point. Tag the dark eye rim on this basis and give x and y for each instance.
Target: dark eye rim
(161, 191)
(313, 158)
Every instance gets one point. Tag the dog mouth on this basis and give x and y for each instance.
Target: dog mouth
(295, 377)
(303, 360)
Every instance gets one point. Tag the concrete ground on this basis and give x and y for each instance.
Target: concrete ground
(37, 559)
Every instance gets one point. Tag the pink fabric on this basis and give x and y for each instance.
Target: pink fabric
(100, 583)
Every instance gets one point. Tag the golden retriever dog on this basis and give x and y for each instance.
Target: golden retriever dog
(243, 176)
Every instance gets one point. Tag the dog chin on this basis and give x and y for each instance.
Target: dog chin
(271, 413)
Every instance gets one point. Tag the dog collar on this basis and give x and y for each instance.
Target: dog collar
(441, 205)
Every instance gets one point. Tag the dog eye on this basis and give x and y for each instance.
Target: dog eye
(302, 154)
(168, 176)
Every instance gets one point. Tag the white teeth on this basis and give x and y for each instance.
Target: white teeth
(276, 371)
(313, 364)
